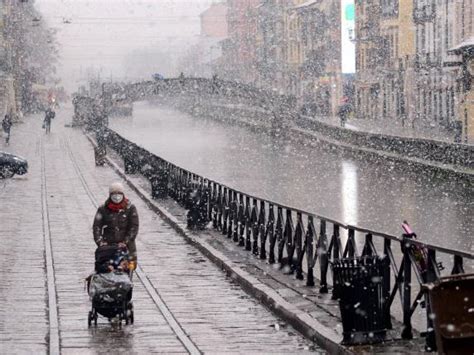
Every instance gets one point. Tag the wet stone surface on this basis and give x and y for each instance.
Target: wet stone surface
(216, 315)
(23, 316)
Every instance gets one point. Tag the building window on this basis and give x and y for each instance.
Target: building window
(446, 37)
(422, 38)
(451, 93)
(447, 106)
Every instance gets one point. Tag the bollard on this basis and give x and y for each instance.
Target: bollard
(130, 166)
(99, 155)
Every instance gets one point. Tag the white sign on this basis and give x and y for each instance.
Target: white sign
(348, 36)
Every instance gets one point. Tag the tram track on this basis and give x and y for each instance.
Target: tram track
(153, 293)
(53, 317)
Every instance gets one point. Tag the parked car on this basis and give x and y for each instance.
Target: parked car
(12, 164)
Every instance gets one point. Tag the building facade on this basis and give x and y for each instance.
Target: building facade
(412, 63)
(207, 53)
(369, 53)
(435, 66)
(214, 21)
(9, 98)
(239, 49)
(271, 45)
(464, 49)
(319, 77)
(385, 59)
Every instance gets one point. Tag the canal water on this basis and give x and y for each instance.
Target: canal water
(368, 192)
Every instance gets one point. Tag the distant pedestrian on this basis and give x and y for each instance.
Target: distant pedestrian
(344, 110)
(48, 117)
(101, 122)
(7, 125)
(181, 79)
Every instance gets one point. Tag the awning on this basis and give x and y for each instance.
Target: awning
(465, 46)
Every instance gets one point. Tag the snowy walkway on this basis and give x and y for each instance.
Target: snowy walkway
(393, 127)
(55, 203)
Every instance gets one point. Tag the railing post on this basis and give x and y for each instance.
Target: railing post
(255, 226)
(279, 233)
(159, 183)
(262, 231)
(386, 281)
(232, 215)
(239, 236)
(367, 251)
(225, 210)
(271, 233)
(322, 250)
(230, 227)
(309, 243)
(247, 224)
(458, 267)
(237, 221)
(288, 241)
(337, 242)
(220, 210)
(431, 276)
(212, 199)
(216, 206)
(298, 245)
(351, 241)
(407, 328)
(206, 204)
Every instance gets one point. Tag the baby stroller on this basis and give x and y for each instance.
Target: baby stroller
(110, 287)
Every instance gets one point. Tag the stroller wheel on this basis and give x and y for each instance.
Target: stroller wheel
(89, 318)
(131, 316)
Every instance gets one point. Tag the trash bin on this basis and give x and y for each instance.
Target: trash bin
(452, 305)
(358, 284)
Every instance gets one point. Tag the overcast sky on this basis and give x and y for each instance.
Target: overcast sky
(117, 37)
(132, 38)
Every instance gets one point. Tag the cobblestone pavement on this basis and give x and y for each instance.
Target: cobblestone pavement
(55, 203)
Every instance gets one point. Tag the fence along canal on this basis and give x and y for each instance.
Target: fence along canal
(304, 242)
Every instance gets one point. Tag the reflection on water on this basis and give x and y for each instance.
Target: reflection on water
(109, 335)
(349, 193)
(369, 192)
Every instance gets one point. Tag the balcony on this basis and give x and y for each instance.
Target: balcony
(427, 61)
(426, 13)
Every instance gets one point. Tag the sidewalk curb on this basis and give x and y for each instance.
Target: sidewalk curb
(446, 168)
(306, 325)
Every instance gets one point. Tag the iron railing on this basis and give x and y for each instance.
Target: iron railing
(297, 238)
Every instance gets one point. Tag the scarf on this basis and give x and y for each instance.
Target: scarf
(116, 207)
